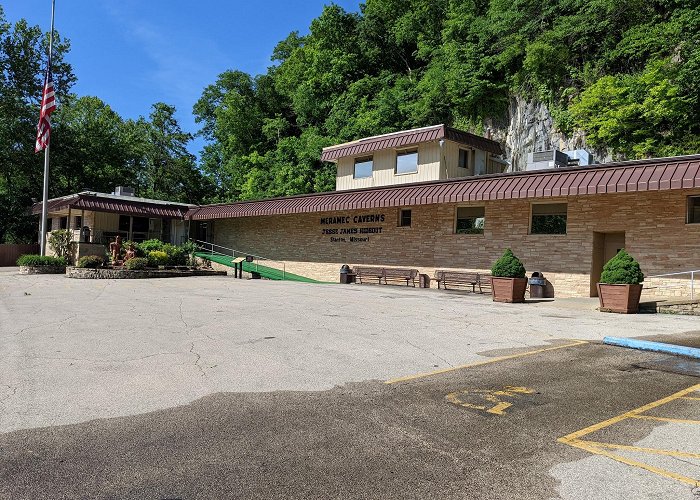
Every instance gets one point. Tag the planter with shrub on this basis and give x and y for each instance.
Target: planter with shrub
(37, 264)
(620, 288)
(508, 281)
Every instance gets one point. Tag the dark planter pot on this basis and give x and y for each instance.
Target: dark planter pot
(619, 298)
(508, 289)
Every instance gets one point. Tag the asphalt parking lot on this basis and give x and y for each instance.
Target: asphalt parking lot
(216, 388)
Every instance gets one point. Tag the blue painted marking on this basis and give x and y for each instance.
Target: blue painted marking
(645, 345)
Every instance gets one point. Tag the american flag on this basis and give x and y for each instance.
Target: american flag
(48, 104)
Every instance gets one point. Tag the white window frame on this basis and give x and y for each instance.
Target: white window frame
(359, 160)
(406, 152)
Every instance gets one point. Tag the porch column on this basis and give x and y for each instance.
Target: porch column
(131, 228)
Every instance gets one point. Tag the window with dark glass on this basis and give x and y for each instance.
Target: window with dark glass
(64, 222)
(694, 210)
(124, 223)
(363, 167)
(407, 162)
(470, 220)
(405, 218)
(548, 218)
(463, 161)
(140, 225)
(78, 222)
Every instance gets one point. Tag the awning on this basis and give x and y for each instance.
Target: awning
(634, 176)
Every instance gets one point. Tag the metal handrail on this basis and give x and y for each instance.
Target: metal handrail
(692, 279)
(209, 247)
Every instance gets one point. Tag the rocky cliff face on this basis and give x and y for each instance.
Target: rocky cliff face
(529, 127)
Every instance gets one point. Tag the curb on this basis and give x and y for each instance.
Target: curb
(646, 345)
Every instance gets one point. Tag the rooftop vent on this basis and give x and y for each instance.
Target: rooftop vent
(124, 191)
(546, 159)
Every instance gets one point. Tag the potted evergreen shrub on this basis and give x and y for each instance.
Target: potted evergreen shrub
(620, 285)
(508, 282)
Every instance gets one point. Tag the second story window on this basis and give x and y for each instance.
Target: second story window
(363, 167)
(463, 161)
(407, 162)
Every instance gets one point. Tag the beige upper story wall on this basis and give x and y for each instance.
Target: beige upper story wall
(430, 168)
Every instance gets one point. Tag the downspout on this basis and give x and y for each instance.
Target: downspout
(443, 164)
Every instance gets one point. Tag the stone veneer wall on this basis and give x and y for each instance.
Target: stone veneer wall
(653, 222)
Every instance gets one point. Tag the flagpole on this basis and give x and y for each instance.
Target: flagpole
(44, 203)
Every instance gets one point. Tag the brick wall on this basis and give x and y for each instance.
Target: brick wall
(653, 223)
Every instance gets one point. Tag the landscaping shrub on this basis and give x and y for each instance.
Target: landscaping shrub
(177, 256)
(622, 269)
(508, 266)
(148, 246)
(61, 241)
(90, 262)
(136, 264)
(39, 261)
(156, 258)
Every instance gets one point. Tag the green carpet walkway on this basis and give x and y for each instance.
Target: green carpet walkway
(266, 272)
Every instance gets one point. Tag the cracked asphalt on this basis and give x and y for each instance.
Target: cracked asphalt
(215, 387)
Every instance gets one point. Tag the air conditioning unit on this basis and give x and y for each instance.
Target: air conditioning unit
(546, 159)
(124, 191)
(579, 157)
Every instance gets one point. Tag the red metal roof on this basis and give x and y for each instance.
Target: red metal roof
(100, 202)
(409, 138)
(633, 176)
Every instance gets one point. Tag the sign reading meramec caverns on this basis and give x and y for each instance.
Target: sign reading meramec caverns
(346, 232)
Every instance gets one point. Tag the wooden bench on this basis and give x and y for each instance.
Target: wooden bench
(386, 274)
(394, 274)
(463, 278)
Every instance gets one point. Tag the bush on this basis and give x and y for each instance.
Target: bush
(156, 258)
(136, 264)
(90, 262)
(508, 266)
(148, 246)
(39, 261)
(177, 256)
(61, 241)
(137, 249)
(622, 269)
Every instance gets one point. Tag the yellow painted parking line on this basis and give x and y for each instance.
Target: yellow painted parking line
(485, 362)
(666, 419)
(634, 463)
(692, 398)
(574, 439)
(641, 449)
(636, 411)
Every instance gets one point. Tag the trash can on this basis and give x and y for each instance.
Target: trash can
(346, 275)
(423, 281)
(537, 285)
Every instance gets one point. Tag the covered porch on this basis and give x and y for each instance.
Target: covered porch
(96, 219)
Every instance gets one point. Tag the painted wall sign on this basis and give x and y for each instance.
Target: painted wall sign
(351, 234)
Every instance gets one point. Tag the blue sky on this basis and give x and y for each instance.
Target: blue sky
(133, 53)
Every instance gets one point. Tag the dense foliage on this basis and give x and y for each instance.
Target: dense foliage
(90, 261)
(508, 266)
(165, 254)
(623, 73)
(91, 146)
(622, 269)
(41, 261)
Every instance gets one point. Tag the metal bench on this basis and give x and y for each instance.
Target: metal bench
(462, 278)
(369, 272)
